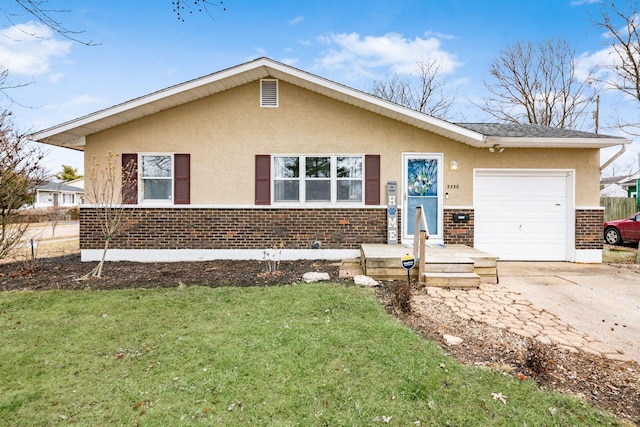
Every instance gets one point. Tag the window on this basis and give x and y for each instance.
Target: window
(349, 179)
(286, 179)
(323, 179)
(317, 181)
(157, 177)
(67, 198)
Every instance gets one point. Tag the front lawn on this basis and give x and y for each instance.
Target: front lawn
(282, 356)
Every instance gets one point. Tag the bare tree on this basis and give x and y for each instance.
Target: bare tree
(21, 170)
(621, 23)
(537, 83)
(107, 189)
(424, 92)
(182, 6)
(41, 12)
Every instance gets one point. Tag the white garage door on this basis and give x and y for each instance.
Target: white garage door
(522, 215)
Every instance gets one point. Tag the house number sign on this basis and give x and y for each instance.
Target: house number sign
(392, 213)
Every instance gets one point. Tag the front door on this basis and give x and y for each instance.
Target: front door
(422, 187)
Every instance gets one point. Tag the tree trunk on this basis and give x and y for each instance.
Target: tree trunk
(638, 254)
(97, 270)
(104, 255)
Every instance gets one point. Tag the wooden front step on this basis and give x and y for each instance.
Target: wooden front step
(452, 280)
(382, 262)
(390, 269)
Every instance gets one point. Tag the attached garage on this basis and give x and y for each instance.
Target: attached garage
(524, 215)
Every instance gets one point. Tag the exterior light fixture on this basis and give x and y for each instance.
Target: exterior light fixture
(496, 147)
(453, 166)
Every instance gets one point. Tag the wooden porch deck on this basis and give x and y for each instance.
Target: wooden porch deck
(446, 266)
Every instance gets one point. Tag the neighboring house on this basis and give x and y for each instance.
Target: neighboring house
(78, 182)
(56, 194)
(613, 190)
(631, 185)
(620, 186)
(264, 154)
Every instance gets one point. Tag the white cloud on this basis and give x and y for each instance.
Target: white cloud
(29, 48)
(368, 56)
(79, 101)
(295, 21)
(605, 62)
(289, 61)
(439, 35)
(55, 78)
(581, 2)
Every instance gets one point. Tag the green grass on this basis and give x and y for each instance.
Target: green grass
(285, 356)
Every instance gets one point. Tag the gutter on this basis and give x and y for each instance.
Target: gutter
(623, 148)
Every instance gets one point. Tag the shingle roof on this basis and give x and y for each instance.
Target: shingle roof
(521, 130)
(58, 186)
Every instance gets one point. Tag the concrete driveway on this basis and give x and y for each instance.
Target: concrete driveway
(597, 299)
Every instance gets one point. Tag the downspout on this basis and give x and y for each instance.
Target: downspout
(614, 158)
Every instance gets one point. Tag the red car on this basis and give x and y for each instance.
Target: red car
(622, 230)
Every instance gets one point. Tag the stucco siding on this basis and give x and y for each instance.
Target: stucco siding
(224, 132)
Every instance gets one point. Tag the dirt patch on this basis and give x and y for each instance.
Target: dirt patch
(611, 385)
(63, 272)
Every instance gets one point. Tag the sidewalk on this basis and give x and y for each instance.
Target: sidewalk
(591, 307)
(44, 231)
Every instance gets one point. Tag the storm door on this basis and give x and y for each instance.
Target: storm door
(422, 187)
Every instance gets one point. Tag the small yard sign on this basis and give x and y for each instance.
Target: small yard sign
(408, 261)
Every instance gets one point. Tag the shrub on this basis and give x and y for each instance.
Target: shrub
(539, 359)
(401, 296)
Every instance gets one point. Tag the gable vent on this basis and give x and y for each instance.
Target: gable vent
(269, 93)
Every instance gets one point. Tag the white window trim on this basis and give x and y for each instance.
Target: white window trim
(141, 179)
(333, 202)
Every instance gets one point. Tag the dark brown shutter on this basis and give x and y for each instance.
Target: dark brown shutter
(372, 179)
(182, 180)
(130, 179)
(263, 179)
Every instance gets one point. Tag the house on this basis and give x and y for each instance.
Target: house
(78, 182)
(613, 190)
(620, 186)
(263, 154)
(610, 186)
(57, 194)
(630, 184)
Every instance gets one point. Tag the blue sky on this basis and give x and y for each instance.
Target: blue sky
(142, 47)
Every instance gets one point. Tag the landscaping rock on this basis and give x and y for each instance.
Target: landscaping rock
(451, 340)
(315, 277)
(363, 280)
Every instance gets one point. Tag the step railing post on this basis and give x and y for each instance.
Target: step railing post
(420, 236)
(422, 261)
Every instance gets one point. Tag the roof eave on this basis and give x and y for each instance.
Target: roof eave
(524, 142)
(72, 134)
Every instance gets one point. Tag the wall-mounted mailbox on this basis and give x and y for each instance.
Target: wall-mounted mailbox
(460, 217)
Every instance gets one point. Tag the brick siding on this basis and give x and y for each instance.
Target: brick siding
(458, 233)
(589, 228)
(221, 228)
